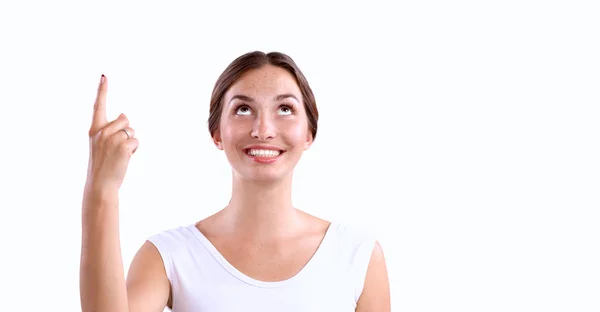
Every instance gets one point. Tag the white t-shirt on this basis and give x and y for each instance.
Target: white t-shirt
(202, 280)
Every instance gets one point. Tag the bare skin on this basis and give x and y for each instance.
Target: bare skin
(259, 232)
(268, 259)
(102, 281)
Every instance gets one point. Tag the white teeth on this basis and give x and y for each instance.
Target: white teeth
(263, 153)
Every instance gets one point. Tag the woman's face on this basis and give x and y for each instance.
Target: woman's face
(264, 127)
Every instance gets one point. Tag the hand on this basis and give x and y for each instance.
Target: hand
(110, 146)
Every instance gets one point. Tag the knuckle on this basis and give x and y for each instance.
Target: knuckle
(114, 140)
(103, 134)
(97, 136)
(123, 148)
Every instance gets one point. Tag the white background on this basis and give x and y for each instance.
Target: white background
(464, 133)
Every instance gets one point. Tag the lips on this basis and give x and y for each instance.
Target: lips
(263, 154)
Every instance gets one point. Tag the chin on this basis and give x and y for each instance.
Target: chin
(263, 168)
(262, 175)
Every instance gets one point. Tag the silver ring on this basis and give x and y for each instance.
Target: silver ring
(126, 132)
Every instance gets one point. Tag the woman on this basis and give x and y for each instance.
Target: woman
(258, 253)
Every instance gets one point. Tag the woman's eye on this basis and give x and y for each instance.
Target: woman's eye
(285, 110)
(243, 110)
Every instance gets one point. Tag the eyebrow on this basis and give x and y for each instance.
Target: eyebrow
(277, 98)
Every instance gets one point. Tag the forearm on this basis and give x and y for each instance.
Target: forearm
(102, 280)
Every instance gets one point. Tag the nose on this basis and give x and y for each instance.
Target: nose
(263, 128)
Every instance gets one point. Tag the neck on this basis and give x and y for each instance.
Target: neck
(261, 210)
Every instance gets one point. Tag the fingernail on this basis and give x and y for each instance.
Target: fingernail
(102, 79)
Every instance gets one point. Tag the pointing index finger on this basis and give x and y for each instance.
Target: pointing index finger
(99, 119)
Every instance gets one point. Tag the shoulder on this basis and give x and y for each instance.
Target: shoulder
(369, 268)
(360, 250)
(375, 295)
(170, 234)
(148, 279)
(170, 241)
(354, 237)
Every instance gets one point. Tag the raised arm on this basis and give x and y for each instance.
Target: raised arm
(102, 281)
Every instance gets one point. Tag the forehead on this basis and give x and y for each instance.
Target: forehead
(266, 81)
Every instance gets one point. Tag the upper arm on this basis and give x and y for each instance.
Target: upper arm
(376, 291)
(148, 288)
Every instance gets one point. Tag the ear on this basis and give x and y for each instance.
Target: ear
(309, 140)
(217, 140)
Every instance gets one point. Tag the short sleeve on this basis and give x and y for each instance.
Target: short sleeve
(360, 263)
(164, 245)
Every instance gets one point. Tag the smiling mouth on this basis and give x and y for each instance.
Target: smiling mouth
(263, 153)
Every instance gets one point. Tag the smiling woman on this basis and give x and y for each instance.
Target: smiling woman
(262, 119)
(259, 253)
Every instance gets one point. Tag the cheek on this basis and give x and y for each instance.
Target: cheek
(296, 132)
(233, 131)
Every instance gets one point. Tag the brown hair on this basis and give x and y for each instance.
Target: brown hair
(254, 60)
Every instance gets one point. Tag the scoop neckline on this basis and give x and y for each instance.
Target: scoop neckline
(252, 281)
